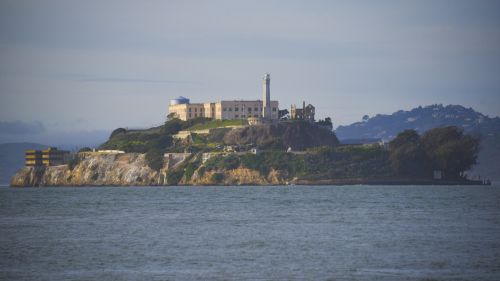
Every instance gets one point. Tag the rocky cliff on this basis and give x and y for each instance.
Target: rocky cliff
(91, 169)
(131, 169)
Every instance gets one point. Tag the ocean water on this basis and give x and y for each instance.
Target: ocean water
(251, 233)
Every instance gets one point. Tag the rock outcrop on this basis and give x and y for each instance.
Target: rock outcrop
(131, 169)
(297, 135)
(92, 170)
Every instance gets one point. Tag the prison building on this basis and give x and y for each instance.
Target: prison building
(228, 109)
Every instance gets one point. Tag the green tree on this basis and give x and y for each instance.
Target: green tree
(326, 123)
(407, 157)
(172, 127)
(217, 177)
(450, 150)
(85, 149)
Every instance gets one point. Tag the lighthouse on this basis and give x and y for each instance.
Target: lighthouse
(266, 97)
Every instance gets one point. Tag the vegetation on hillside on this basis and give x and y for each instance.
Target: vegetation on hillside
(156, 141)
(296, 134)
(445, 149)
(153, 142)
(319, 163)
(410, 155)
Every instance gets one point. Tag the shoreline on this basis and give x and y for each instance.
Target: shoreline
(331, 182)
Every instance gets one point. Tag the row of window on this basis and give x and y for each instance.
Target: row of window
(248, 108)
(196, 109)
(243, 116)
(235, 116)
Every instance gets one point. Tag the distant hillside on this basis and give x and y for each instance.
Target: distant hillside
(12, 158)
(421, 119)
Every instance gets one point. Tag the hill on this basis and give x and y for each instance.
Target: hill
(422, 119)
(12, 158)
(296, 135)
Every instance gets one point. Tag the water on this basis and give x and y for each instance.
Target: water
(251, 233)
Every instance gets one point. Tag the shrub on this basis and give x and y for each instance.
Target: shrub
(174, 177)
(154, 157)
(217, 177)
(230, 162)
(85, 149)
(201, 171)
(251, 161)
(73, 161)
(191, 167)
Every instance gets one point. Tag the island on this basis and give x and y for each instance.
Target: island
(253, 142)
(204, 151)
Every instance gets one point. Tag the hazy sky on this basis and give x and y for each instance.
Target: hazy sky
(82, 66)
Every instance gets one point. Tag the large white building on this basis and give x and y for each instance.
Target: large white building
(228, 109)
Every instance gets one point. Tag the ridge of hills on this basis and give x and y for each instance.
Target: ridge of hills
(421, 119)
(424, 118)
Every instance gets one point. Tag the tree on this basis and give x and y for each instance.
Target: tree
(450, 150)
(171, 116)
(283, 114)
(407, 157)
(85, 149)
(326, 123)
(172, 127)
(405, 137)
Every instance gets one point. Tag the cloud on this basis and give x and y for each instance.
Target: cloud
(21, 128)
(129, 80)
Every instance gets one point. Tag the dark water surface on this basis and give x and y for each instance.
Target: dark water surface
(251, 233)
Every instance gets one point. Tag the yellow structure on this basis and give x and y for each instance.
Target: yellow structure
(48, 157)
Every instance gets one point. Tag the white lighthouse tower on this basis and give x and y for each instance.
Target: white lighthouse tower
(266, 97)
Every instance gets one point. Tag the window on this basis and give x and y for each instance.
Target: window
(236, 116)
(195, 109)
(190, 111)
(256, 109)
(190, 114)
(255, 115)
(196, 114)
(274, 109)
(236, 109)
(249, 109)
(224, 109)
(230, 109)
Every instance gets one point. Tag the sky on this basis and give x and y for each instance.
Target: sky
(72, 71)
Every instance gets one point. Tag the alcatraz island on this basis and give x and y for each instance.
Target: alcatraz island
(252, 142)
